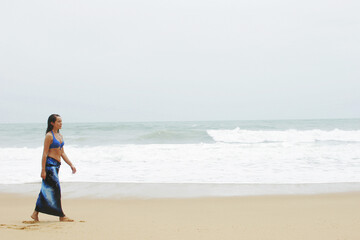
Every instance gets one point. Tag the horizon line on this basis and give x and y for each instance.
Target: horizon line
(159, 121)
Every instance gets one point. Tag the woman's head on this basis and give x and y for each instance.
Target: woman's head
(54, 120)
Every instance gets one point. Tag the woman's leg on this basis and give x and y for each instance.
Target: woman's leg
(35, 216)
(49, 200)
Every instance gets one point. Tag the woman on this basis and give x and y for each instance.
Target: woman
(49, 200)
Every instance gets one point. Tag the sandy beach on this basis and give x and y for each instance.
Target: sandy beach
(326, 216)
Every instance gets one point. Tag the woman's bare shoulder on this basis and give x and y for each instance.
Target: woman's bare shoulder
(48, 135)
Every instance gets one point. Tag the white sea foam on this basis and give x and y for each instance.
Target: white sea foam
(288, 151)
(193, 163)
(238, 135)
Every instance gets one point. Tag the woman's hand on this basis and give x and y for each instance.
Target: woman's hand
(73, 169)
(43, 174)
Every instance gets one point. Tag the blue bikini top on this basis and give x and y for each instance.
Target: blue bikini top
(56, 143)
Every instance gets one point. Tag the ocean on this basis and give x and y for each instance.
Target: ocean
(216, 152)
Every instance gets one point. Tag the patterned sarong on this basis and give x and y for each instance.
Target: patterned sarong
(49, 200)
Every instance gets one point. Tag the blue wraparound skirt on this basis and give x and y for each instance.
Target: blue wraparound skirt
(49, 200)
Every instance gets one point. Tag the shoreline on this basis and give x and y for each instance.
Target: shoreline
(312, 217)
(71, 190)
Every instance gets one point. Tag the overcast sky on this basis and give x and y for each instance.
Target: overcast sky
(158, 60)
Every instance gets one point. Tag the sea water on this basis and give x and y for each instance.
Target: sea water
(224, 152)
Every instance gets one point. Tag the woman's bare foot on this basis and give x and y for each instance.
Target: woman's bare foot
(65, 219)
(35, 216)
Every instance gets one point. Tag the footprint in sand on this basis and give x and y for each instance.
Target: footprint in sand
(30, 225)
(29, 222)
(20, 227)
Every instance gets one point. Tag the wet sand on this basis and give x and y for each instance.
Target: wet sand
(327, 216)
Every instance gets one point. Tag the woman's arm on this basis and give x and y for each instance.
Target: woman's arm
(67, 160)
(47, 141)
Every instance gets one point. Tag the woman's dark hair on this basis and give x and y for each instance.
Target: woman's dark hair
(51, 119)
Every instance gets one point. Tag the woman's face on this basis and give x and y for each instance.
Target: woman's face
(58, 123)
